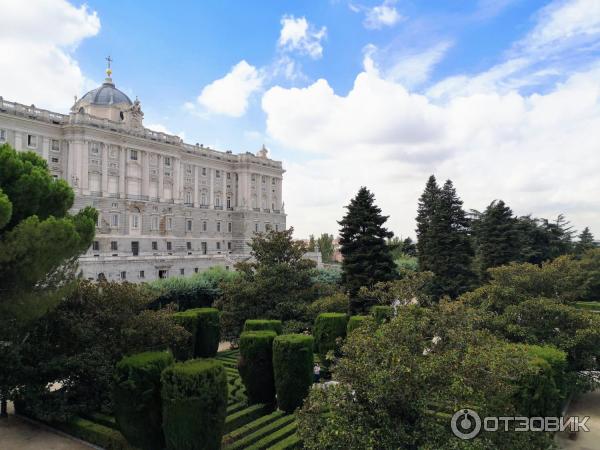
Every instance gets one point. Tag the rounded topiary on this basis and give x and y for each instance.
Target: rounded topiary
(263, 324)
(194, 400)
(382, 313)
(256, 365)
(203, 324)
(293, 369)
(137, 401)
(327, 329)
(355, 322)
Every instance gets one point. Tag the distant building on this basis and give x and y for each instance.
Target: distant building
(165, 207)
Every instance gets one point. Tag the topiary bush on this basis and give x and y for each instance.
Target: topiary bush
(203, 324)
(263, 324)
(136, 398)
(355, 322)
(194, 399)
(256, 365)
(327, 329)
(293, 369)
(382, 313)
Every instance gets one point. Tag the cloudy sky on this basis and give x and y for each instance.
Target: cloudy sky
(501, 96)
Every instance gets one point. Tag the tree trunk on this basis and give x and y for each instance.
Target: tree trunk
(3, 409)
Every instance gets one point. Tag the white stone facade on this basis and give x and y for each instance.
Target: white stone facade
(165, 207)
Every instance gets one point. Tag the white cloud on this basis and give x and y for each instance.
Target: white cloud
(535, 151)
(37, 40)
(297, 34)
(229, 95)
(384, 15)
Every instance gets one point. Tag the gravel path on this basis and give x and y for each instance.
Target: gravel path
(587, 405)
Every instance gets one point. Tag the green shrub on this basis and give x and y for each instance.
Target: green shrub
(256, 365)
(337, 302)
(355, 322)
(197, 291)
(194, 397)
(246, 416)
(382, 313)
(544, 388)
(203, 324)
(263, 324)
(293, 369)
(327, 329)
(136, 398)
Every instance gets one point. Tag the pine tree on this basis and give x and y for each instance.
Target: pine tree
(444, 245)
(497, 237)
(367, 257)
(585, 241)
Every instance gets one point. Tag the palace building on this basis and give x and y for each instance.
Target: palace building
(165, 207)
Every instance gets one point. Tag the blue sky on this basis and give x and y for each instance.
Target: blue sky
(501, 96)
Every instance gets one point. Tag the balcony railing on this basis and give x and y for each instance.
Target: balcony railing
(203, 206)
(218, 207)
(256, 209)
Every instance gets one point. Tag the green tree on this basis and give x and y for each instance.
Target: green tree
(278, 283)
(585, 241)
(325, 243)
(444, 245)
(408, 247)
(496, 237)
(39, 245)
(311, 243)
(367, 257)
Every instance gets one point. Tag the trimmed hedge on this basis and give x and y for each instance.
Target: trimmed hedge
(543, 391)
(293, 369)
(137, 404)
(203, 324)
(194, 396)
(256, 365)
(382, 313)
(263, 324)
(247, 415)
(354, 322)
(94, 433)
(328, 327)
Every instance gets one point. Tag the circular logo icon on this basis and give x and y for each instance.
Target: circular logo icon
(466, 424)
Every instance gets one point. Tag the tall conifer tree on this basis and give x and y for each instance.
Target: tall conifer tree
(444, 244)
(497, 237)
(367, 257)
(585, 241)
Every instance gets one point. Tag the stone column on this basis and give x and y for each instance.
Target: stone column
(122, 172)
(175, 174)
(85, 167)
(18, 141)
(270, 194)
(211, 188)
(224, 193)
(243, 201)
(104, 187)
(196, 173)
(45, 148)
(161, 178)
(278, 190)
(145, 173)
(75, 152)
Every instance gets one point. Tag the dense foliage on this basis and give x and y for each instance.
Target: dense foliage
(293, 369)
(137, 403)
(367, 257)
(203, 325)
(256, 365)
(277, 284)
(70, 354)
(194, 398)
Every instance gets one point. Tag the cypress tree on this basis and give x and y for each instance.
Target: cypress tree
(444, 245)
(497, 237)
(367, 257)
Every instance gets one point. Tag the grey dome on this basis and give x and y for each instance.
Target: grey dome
(107, 94)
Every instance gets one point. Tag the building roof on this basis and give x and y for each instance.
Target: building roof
(107, 94)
